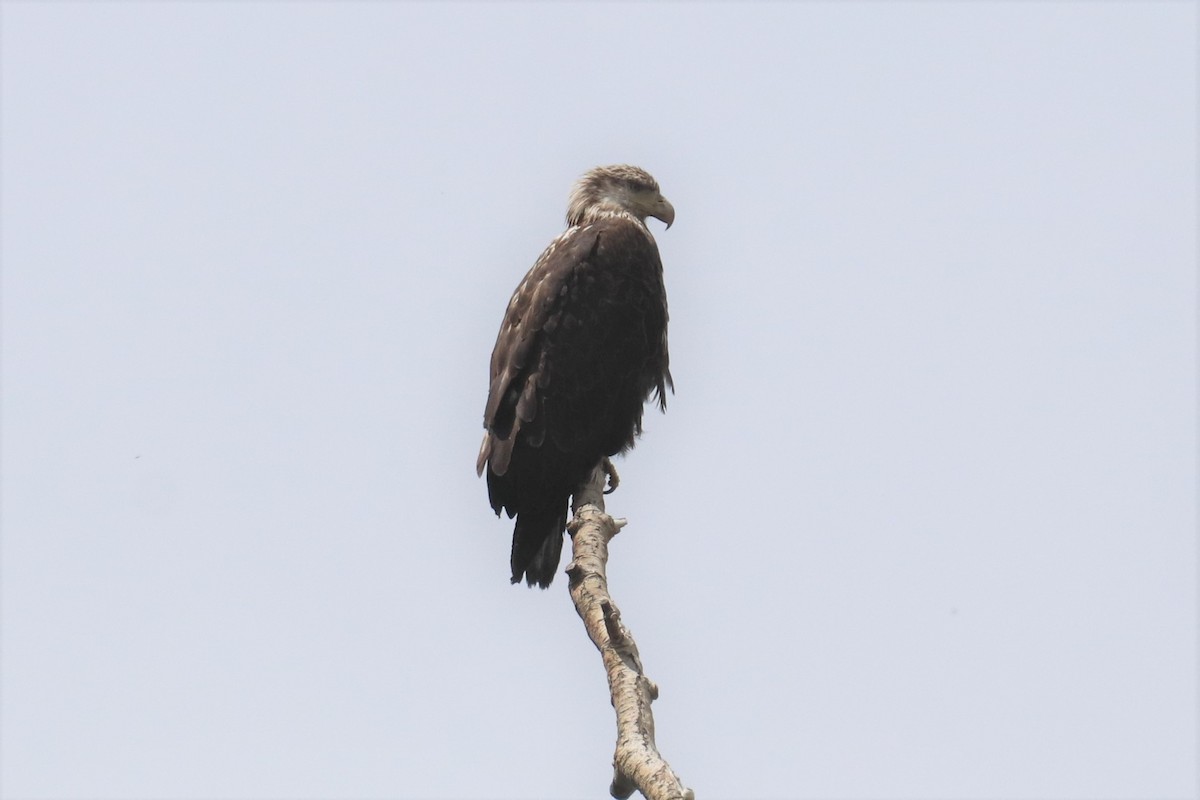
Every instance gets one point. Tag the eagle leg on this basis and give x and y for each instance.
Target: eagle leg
(614, 480)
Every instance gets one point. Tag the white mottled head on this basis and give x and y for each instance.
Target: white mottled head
(618, 190)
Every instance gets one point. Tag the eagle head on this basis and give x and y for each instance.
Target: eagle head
(617, 189)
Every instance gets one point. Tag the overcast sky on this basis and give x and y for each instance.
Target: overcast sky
(920, 521)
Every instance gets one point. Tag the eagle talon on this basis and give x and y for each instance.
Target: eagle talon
(610, 471)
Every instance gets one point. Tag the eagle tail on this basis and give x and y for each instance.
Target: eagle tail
(537, 544)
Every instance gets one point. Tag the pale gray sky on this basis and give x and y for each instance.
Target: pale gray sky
(921, 519)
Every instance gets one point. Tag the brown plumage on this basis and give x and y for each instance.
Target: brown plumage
(582, 346)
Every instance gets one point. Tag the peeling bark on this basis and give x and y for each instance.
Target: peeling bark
(637, 764)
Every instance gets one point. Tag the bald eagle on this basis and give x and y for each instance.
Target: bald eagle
(582, 346)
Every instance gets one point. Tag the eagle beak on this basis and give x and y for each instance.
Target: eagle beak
(664, 211)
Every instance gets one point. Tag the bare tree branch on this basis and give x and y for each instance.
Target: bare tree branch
(637, 764)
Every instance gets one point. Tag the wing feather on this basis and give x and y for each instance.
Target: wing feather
(517, 357)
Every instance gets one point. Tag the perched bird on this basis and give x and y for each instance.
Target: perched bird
(582, 346)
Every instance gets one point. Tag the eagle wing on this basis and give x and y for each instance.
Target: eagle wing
(518, 360)
(591, 312)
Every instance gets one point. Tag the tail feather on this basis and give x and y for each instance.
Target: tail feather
(537, 544)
